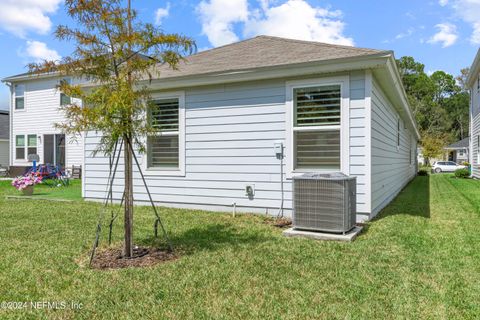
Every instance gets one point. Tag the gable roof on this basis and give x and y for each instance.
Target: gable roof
(4, 124)
(261, 52)
(462, 144)
(267, 57)
(258, 52)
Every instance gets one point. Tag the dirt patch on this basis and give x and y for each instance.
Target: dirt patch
(279, 223)
(112, 258)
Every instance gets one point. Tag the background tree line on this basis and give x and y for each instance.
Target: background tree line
(440, 104)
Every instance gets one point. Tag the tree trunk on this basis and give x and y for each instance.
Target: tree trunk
(128, 249)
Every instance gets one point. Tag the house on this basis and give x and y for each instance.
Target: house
(459, 151)
(4, 138)
(473, 83)
(34, 110)
(334, 108)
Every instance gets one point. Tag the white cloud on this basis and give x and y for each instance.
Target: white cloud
(21, 16)
(299, 20)
(162, 13)
(446, 35)
(443, 3)
(291, 19)
(218, 18)
(405, 34)
(38, 51)
(469, 12)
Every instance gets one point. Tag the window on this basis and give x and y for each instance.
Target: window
(460, 152)
(20, 147)
(64, 99)
(31, 144)
(316, 127)
(19, 97)
(398, 133)
(165, 149)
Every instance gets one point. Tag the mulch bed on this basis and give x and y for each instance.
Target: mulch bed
(279, 223)
(142, 257)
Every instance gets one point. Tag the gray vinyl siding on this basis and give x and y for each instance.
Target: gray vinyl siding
(230, 132)
(4, 153)
(475, 129)
(42, 103)
(358, 142)
(391, 167)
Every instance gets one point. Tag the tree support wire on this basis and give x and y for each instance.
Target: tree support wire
(115, 157)
(158, 221)
(109, 195)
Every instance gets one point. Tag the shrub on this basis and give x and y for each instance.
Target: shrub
(462, 173)
(422, 172)
(21, 183)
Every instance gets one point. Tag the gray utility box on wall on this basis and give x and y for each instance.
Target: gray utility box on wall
(324, 202)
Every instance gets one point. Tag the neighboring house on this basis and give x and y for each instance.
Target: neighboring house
(459, 151)
(420, 157)
(473, 83)
(4, 138)
(335, 109)
(34, 110)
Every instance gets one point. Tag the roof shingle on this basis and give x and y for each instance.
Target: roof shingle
(261, 51)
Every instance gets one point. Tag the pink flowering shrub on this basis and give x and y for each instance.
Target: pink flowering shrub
(21, 183)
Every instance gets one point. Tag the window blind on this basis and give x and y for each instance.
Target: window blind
(317, 106)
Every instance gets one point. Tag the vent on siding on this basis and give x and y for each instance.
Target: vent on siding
(324, 202)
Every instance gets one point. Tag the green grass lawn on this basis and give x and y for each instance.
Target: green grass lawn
(71, 192)
(419, 260)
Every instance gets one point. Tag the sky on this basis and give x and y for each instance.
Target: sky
(442, 34)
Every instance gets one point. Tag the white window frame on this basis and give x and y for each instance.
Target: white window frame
(15, 97)
(180, 171)
(344, 82)
(27, 144)
(24, 147)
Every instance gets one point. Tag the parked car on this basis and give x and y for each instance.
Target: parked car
(446, 166)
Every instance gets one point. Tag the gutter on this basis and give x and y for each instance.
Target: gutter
(474, 70)
(395, 74)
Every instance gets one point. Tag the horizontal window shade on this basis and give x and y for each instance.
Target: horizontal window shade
(163, 151)
(317, 106)
(164, 115)
(317, 149)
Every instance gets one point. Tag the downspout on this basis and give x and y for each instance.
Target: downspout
(10, 121)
